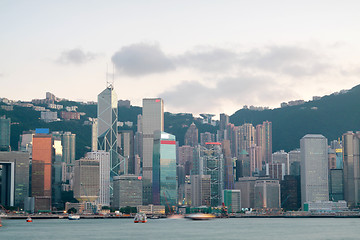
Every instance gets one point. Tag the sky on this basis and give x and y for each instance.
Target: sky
(199, 56)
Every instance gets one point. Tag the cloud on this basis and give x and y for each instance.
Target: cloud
(211, 60)
(141, 59)
(289, 60)
(75, 56)
(194, 96)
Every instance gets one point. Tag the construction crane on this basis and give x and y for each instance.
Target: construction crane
(167, 203)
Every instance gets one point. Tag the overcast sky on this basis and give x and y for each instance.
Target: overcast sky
(199, 56)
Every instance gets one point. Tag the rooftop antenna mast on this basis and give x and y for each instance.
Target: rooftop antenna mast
(110, 83)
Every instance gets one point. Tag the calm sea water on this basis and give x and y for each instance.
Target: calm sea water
(258, 228)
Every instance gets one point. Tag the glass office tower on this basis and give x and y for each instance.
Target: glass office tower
(164, 169)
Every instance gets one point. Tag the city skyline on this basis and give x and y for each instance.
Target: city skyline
(220, 58)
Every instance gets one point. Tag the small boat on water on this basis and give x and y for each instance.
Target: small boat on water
(74, 217)
(201, 216)
(28, 219)
(140, 218)
(0, 223)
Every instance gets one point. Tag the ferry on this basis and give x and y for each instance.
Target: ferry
(28, 219)
(201, 216)
(140, 218)
(74, 217)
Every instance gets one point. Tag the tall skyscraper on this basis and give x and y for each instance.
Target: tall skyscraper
(126, 147)
(42, 171)
(107, 127)
(104, 175)
(186, 156)
(87, 180)
(224, 121)
(152, 120)
(4, 134)
(351, 146)
(192, 136)
(314, 168)
(213, 165)
(228, 166)
(264, 140)
(164, 169)
(247, 136)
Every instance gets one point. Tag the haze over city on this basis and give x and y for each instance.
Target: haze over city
(203, 56)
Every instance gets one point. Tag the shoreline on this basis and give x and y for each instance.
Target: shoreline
(15, 217)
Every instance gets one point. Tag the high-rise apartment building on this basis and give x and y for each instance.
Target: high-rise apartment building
(152, 120)
(314, 168)
(192, 136)
(247, 136)
(164, 169)
(264, 140)
(186, 155)
(107, 130)
(224, 121)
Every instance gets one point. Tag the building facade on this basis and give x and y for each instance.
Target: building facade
(314, 168)
(164, 169)
(107, 130)
(152, 120)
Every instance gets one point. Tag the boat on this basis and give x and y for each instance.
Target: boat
(28, 219)
(201, 216)
(74, 217)
(0, 223)
(140, 218)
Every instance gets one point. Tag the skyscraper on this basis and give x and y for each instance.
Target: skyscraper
(164, 169)
(104, 175)
(4, 134)
(314, 168)
(247, 136)
(86, 180)
(126, 147)
(152, 120)
(107, 127)
(264, 140)
(351, 146)
(41, 171)
(192, 136)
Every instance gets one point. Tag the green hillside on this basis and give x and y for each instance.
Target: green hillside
(330, 116)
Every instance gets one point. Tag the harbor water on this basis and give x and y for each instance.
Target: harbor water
(233, 228)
